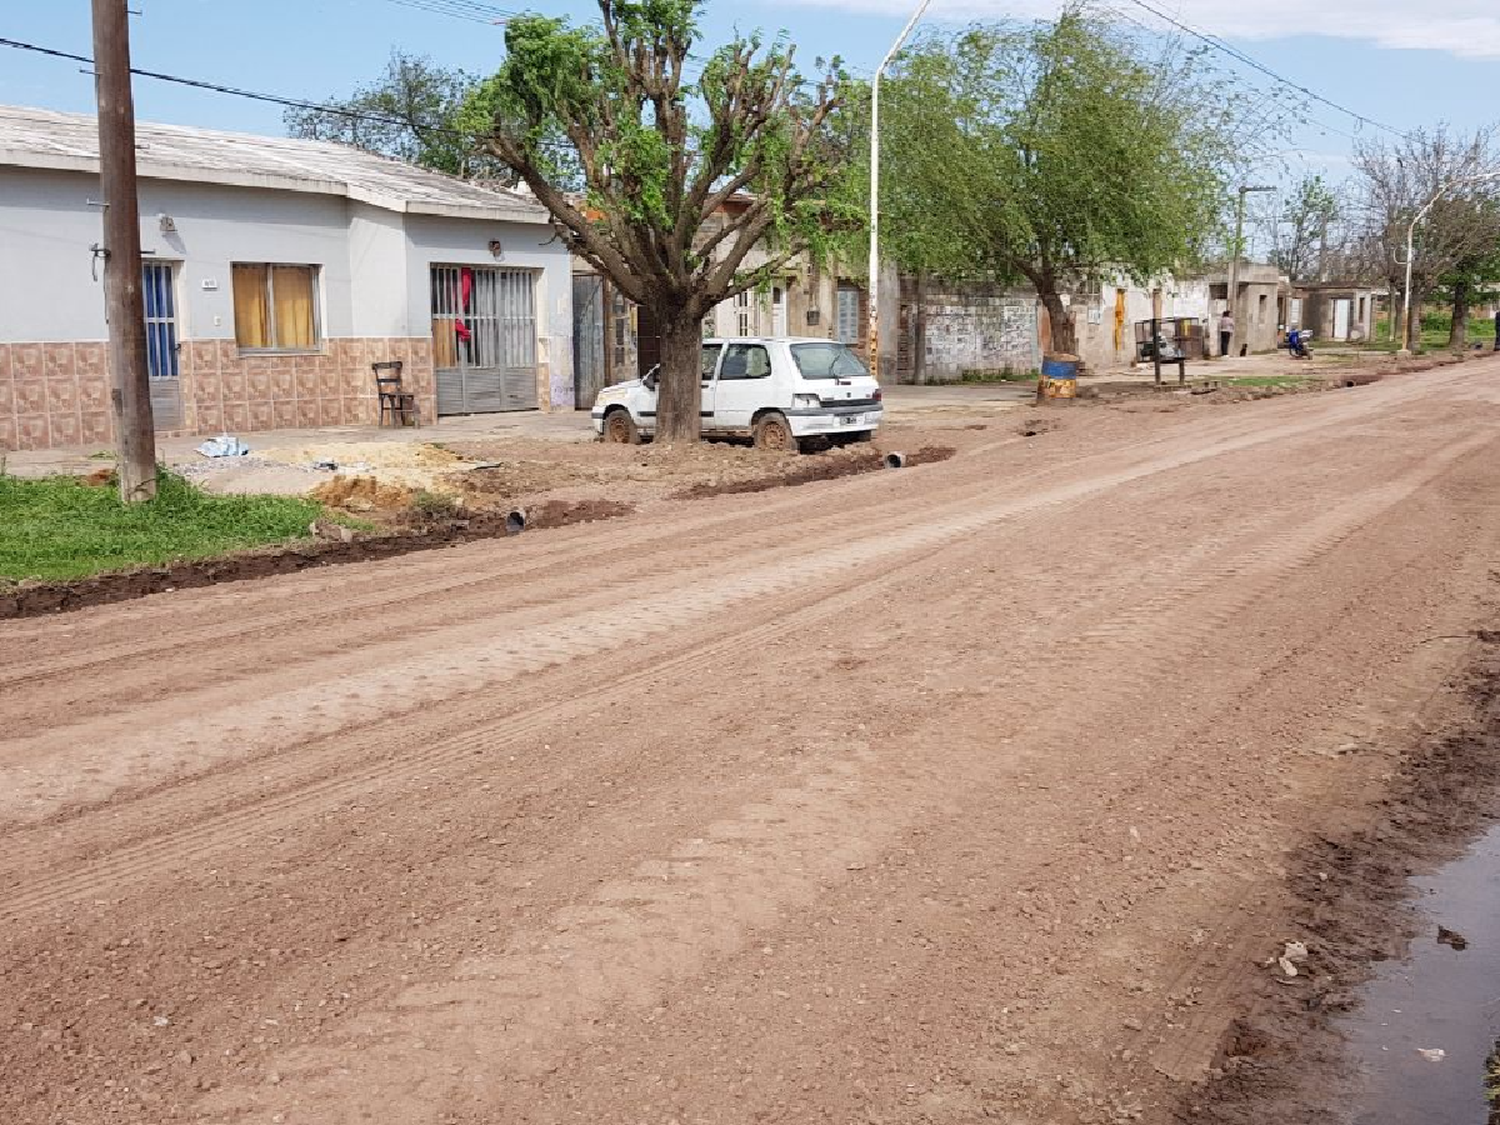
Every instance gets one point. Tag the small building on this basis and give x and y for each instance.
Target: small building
(276, 272)
(1331, 310)
(1257, 311)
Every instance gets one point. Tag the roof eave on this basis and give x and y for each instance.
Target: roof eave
(231, 177)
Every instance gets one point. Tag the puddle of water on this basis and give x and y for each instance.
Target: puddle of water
(1438, 998)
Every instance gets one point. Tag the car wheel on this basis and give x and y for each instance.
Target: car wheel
(774, 433)
(620, 428)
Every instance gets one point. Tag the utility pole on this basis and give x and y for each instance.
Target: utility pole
(1234, 262)
(873, 312)
(124, 309)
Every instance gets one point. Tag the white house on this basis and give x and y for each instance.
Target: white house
(277, 271)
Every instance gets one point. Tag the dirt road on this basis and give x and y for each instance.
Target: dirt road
(925, 796)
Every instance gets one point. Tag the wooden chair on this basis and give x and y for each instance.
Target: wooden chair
(397, 404)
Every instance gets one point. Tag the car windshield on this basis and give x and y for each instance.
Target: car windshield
(827, 361)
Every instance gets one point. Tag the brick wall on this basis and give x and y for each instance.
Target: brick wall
(57, 394)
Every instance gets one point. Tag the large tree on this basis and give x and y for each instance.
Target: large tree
(1304, 229)
(683, 175)
(408, 113)
(1441, 172)
(1056, 153)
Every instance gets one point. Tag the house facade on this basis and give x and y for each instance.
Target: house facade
(1331, 310)
(276, 272)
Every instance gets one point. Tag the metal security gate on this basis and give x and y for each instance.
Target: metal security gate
(483, 339)
(161, 345)
(589, 374)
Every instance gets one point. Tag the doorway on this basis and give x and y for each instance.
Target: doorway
(158, 285)
(483, 339)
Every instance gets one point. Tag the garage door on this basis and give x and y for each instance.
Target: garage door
(483, 339)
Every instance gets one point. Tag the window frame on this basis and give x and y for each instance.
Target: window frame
(747, 347)
(316, 270)
(842, 292)
(717, 347)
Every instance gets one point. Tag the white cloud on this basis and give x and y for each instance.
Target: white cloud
(1466, 28)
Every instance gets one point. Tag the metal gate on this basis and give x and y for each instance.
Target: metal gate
(161, 344)
(589, 375)
(483, 339)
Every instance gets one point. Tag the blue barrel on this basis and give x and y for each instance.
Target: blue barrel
(1060, 367)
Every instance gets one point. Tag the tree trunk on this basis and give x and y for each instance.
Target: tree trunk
(1458, 333)
(1413, 325)
(1063, 340)
(679, 396)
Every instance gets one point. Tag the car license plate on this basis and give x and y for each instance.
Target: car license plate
(850, 419)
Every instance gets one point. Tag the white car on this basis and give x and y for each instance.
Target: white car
(780, 390)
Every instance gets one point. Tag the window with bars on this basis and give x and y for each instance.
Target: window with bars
(848, 314)
(744, 314)
(482, 318)
(275, 307)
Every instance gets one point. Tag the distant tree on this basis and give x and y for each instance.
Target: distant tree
(410, 114)
(1460, 230)
(1475, 279)
(661, 153)
(1056, 152)
(1303, 228)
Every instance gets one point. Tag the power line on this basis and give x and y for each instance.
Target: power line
(461, 9)
(259, 96)
(1234, 52)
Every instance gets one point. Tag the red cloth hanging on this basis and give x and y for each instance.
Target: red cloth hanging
(466, 283)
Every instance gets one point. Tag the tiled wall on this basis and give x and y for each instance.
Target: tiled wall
(58, 394)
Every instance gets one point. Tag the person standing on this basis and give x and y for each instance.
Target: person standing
(1226, 330)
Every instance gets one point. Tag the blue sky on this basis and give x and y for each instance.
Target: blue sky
(1391, 60)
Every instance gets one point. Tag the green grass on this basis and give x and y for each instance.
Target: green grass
(1266, 381)
(59, 527)
(1435, 329)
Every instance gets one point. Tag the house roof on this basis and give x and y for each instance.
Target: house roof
(44, 138)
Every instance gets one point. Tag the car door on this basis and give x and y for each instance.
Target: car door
(711, 353)
(743, 385)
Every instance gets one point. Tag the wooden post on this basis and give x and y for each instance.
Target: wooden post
(124, 308)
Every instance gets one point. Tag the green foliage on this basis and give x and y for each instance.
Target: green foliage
(410, 113)
(59, 527)
(1300, 227)
(1052, 152)
(683, 176)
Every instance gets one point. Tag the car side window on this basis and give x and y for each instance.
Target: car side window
(710, 359)
(745, 361)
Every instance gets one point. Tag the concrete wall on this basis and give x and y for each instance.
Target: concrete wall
(1100, 346)
(948, 328)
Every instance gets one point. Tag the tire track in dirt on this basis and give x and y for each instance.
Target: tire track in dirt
(469, 659)
(508, 1013)
(577, 638)
(582, 636)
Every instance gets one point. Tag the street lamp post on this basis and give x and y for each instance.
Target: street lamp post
(1234, 259)
(874, 309)
(1411, 232)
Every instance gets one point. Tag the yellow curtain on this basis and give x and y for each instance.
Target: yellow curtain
(251, 310)
(292, 290)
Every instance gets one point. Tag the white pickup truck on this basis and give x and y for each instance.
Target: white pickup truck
(781, 391)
